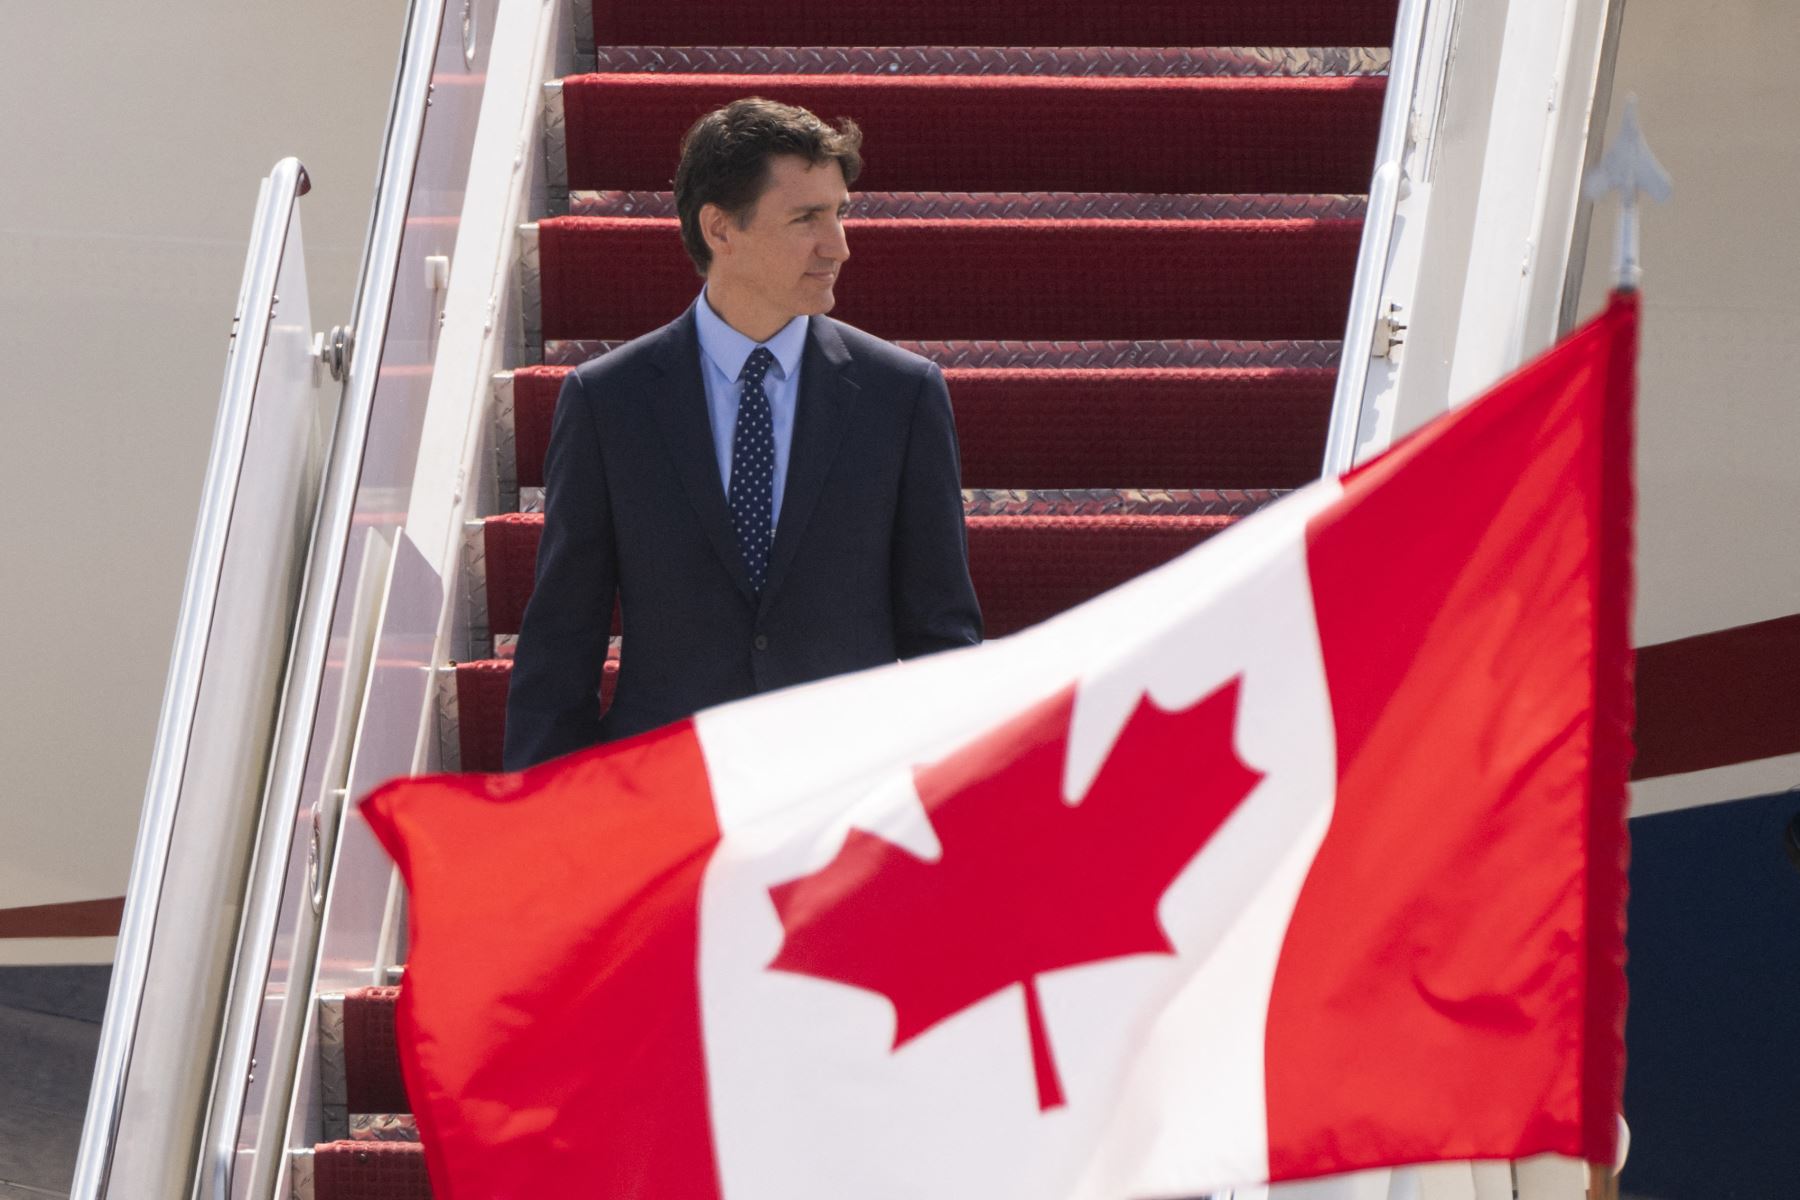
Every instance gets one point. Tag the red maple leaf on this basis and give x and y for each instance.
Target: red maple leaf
(1024, 883)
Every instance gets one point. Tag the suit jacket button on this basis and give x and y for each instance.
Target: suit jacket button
(761, 641)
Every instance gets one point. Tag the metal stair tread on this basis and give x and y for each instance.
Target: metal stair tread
(1061, 61)
(1026, 354)
(1025, 206)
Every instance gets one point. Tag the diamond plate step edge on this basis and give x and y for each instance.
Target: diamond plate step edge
(1024, 206)
(334, 1102)
(1117, 502)
(300, 1175)
(1087, 502)
(383, 1127)
(1053, 355)
(993, 60)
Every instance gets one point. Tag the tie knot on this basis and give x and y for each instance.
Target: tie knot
(757, 365)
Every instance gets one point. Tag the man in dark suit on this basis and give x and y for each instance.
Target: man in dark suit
(772, 495)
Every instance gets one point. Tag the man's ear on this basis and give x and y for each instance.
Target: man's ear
(716, 226)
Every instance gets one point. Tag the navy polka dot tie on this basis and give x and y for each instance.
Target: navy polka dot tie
(753, 468)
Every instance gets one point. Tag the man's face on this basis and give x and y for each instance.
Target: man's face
(787, 257)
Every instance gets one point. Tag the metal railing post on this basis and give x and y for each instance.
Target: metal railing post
(1377, 239)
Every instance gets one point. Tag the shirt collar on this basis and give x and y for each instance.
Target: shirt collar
(727, 348)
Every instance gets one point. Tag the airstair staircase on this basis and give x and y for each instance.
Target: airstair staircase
(1127, 242)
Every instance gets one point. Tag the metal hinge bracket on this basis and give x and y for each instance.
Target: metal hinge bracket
(1390, 333)
(332, 350)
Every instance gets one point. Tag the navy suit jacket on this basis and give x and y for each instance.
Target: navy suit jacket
(869, 562)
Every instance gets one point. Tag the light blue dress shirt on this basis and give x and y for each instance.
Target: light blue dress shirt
(722, 354)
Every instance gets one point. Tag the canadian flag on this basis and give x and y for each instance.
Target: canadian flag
(1301, 854)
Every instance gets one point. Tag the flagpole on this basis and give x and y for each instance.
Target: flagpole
(1628, 168)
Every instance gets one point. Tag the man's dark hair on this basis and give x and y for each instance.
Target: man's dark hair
(725, 160)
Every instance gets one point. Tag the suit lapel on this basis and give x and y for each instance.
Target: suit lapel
(681, 414)
(821, 415)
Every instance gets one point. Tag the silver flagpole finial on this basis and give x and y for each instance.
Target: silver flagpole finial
(1628, 168)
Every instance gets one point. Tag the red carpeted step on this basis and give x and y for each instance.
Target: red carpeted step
(509, 556)
(372, 1082)
(502, 551)
(1058, 428)
(1141, 428)
(481, 709)
(481, 712)
(996, 23)
(1029, 568)
(1025, 568)
(534, 393)
(370, 1171)
(1001, 133)
(977, 279)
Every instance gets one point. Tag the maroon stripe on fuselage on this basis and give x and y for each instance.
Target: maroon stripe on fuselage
(1718, 698)
(75, 918)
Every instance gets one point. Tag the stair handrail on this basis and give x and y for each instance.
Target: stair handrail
(1377, 239)
(325, 565)
(326, 560)
(277, 196)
